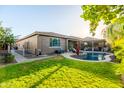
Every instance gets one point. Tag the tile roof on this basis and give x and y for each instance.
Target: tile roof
(53, 34)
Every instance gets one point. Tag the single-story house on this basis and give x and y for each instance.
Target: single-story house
(48, 42)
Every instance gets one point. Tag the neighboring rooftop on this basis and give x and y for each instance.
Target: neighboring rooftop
(92, 39)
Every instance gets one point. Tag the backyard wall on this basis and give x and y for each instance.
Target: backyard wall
(31, 41)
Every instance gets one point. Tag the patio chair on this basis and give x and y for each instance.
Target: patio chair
(73, 50)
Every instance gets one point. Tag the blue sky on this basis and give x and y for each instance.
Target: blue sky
(61, 19)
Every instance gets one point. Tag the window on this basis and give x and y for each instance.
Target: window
(54, 42)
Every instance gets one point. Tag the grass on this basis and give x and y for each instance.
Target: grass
(60, 72)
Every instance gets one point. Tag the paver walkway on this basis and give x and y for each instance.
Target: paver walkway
(19, 58)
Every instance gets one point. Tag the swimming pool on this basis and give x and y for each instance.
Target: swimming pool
(91, 56)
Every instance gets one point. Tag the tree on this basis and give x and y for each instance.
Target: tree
(114, 34)
(6, 37)
(95, 13)
(113, 17)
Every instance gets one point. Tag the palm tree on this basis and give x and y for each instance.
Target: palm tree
(115, 37)
(115, 32)
(6, 37)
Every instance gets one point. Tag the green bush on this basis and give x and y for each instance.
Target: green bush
(120, 69)
(118, 51)
(1, 59)
(9, 58)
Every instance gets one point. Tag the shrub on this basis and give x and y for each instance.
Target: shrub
(1, 59)
(118, 52)
(120, 69)
(9, 58)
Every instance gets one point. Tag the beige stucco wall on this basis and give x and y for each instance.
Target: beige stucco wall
(44, 44)
(32, 43)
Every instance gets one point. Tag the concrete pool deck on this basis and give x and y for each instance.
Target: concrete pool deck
(69, 55)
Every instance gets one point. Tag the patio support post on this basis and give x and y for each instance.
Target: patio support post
(80, 44)
(93, 44)
(8, 48)
(23, 51)
(67, 45)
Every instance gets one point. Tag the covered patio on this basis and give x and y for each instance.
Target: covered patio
(94, 44)
(72, 42)
(87, 44)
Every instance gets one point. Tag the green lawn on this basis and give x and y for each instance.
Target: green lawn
(60, 72)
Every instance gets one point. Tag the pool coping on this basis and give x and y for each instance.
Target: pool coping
(107, 57)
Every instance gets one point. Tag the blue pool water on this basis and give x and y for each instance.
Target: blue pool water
(91, 56)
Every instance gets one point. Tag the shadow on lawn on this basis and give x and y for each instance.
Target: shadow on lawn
(23, 69)
(45, 77)
(102, 69)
